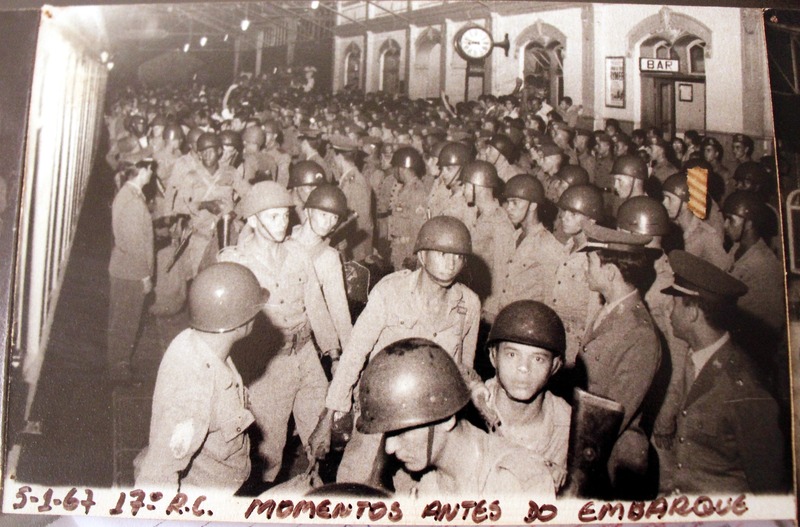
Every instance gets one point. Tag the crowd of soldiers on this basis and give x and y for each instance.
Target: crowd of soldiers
(537, 291)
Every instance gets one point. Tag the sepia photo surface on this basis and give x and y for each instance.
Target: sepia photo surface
(396, 261)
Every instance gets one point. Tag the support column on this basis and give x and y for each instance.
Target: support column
(259, 51)
(237, 49)
(291, 40)
(754, 74)
(587, 59)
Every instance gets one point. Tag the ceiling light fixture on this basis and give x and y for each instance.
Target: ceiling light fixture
(245, 24)
(225, 39)
(314, 4)
(186, 48)
(203, 41)
(110, 66)
(104, 57)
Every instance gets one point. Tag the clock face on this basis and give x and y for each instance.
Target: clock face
(476, 43)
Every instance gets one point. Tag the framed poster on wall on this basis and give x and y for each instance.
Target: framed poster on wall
(615, 82)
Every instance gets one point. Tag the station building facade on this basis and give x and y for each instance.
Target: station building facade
(710, 74)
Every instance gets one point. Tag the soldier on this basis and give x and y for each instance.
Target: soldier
(712, 154)
(567, 176)
(198, 435)
(130, 269)
(447, 195)
(743, 147)
(493, 235)
(205, 194)
(529, 272)
(699, 237)
(502, 153)
(293, 382)
(630, 175)
(729, 436)
(272, 131)
(411, 392)
(584, 143)
(258, 165)
(752, 260)
(311, 148)
(563, 135)
(182, 166)
(603, 161)
(526, 346)
(304, 177)
(621, 350)
(662, 167)
(326, 207)
(572, 299)
(407, 205)
(358, 234)
(132, 147)
(426, 303)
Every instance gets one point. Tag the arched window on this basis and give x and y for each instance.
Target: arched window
(697, 57)
(390, 67)
(352, 68)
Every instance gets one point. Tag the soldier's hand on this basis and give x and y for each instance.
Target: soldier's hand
(320, 440)
(664, 441)
(481, 402)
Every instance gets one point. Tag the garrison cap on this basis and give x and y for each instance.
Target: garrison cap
(696, 277)
(550, 150)
(309, 133)
(603, 137)
(343, 143)
(603, 238)
(744, 139)
(583, 131)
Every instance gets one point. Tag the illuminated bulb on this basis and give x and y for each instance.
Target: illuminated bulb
(110, 66)
(104, 57)
(203, 41)
(314, 4)
(245, 24)
(226, 38)
(186, 48)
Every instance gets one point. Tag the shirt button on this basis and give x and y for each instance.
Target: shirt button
(681, 440)
(238, 428)
(434, 335)
(683, 413)
(680, 465)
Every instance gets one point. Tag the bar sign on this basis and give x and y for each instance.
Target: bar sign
(660, 65)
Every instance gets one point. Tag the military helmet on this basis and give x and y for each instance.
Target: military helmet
(677, 184)
(752, 172)
(630, 165)
(643, 215)
(530, 323)
(503, 144)
(411, 382)
(437, 147)
(408, 157)
(254, 135)
(223, 297)
(445, 234)
(573, 175)
(208, 140)
(455, 154)
(306, 173)
(231, 138)
(136, 124)
(158, 120)
(745, 204)
(262, 196)
(172, 131)
(329, 198)
(584, 199)
(482, 174)
(192, 137)
(524, 186)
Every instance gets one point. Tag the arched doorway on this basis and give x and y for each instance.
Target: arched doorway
(543, 61)
(390, 67)
(352, 67)
(673, 99)
(425, 82)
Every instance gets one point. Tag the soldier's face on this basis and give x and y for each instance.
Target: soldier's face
(572, 222)
(272, 223)
(410, 446)
(210, 157)
(595, 275)
(442, 268)
(450, 174)
(739, 152)
(523, 371)
(322, 222)
(517, 209)
(710, 154)
(673, 204)
(623, 186)
(679, 317)
(734, 227)
(602, 149)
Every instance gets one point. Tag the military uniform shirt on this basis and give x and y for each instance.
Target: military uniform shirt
(762, 273)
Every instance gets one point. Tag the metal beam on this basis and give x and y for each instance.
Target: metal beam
(359, 22)
(401, 17)
(300, 16)
(191, 15)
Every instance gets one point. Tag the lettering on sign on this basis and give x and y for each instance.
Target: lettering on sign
(659, 65)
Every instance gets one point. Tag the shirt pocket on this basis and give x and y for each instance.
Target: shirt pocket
(232, 432)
